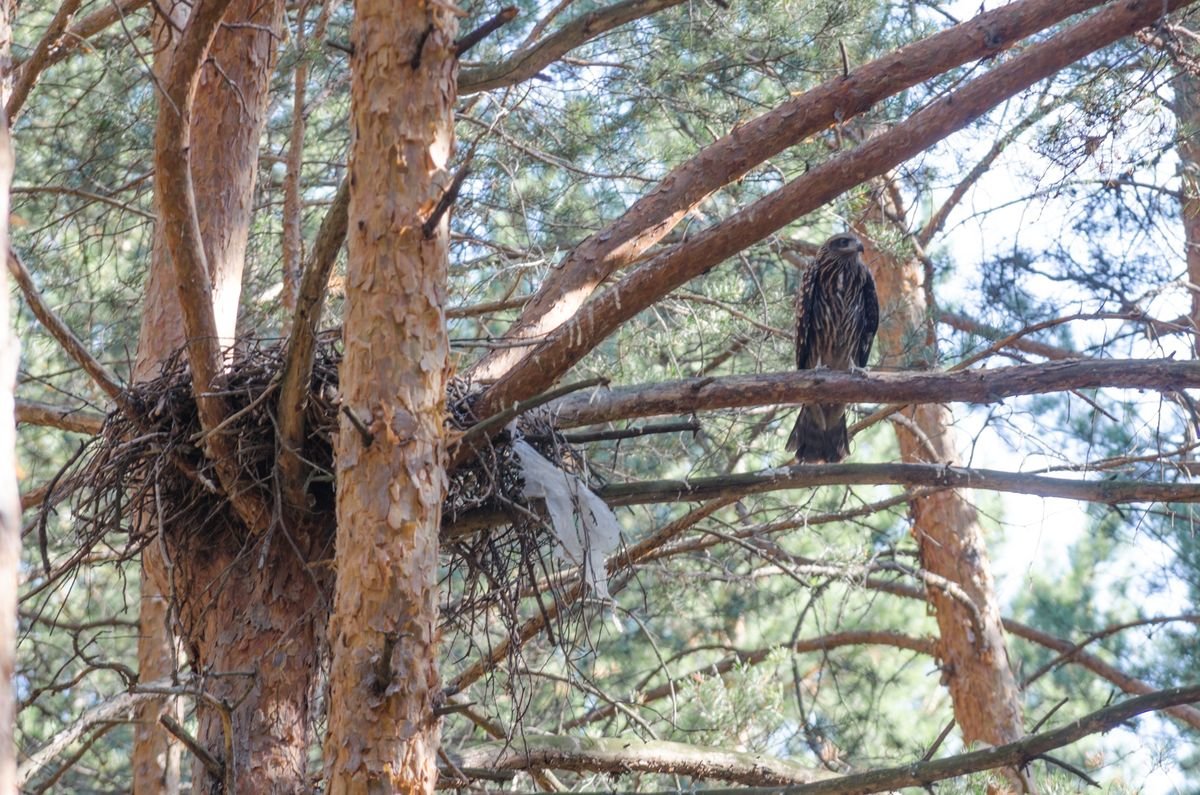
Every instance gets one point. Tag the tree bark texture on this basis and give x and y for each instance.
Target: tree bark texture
(383, 735)
(971, 647)
(568, 287)
(567, 344)
(10, 502)
(228, 115)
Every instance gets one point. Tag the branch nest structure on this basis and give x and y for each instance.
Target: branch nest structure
(147, 473)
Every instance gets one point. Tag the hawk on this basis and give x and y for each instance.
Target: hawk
(837, 313)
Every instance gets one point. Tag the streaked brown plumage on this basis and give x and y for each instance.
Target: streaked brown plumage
(837, 313)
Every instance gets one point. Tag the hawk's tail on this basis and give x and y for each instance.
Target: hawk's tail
(820, 434)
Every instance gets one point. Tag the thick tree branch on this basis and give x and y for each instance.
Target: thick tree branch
(1109, 492)
(40, 58)
(76, 36)
(528, 61)
(620, 755)
(1019, 753)
(991, 385)
(74, 347)
(595, 322)
(836, 101)
(181, 231)
(302, 345)
(68, 418)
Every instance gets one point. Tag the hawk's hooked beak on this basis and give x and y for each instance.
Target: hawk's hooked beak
(860, 247)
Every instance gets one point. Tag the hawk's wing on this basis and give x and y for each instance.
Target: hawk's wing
(869, 324)
(806, 301)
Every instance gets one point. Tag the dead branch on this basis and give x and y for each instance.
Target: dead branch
(924, 774)
(302, 345)
(654, 215)
(991, 385)
(74, 347)
(69, 418)
(528, 61)
(1108, 492)
(620, 755)
(568, 344)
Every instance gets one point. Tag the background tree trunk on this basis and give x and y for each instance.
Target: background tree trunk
(971, 648)
(383, 735)
(10, 503)
(227, 123)
(1187, 123)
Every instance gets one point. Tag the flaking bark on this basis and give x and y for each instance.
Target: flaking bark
(383, 734)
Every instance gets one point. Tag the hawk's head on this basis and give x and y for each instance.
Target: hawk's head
(844, 245)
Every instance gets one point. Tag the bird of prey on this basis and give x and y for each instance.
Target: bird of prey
(837, 313)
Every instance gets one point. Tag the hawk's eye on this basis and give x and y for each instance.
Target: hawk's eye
(841, 241)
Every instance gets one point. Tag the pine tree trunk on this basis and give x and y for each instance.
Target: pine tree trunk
(383, 733)
(227, 123)
(971, 647)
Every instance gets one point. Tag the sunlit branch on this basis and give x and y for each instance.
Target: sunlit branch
(990, 385)
(1108, 492)
(40, 58)
(68, 418)
(528, 61)
(620, 755)
(302, 344)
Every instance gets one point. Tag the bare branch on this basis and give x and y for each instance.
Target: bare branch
(528, 61)
(77, 35)
(570, 342)
(1109, 492)
(74, 347)
(989, 385)
(620, 755)
(68, 418)
(40, 58)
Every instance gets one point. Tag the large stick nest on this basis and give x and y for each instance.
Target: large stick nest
(147, 473)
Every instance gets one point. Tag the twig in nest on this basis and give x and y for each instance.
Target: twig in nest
(502, 418)
(367, 436)
(446, 202)
(506, 15)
